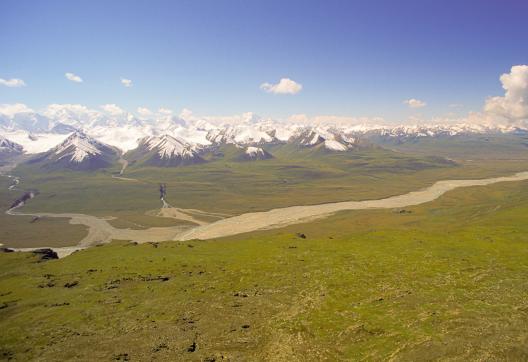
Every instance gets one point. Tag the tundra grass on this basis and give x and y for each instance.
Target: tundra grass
(26, 231)
(444, 280)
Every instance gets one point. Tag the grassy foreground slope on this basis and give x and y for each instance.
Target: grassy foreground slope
(443, 280)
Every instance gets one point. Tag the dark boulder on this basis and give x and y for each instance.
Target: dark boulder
(45, 254)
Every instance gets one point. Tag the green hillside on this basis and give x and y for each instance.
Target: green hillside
(445, 280)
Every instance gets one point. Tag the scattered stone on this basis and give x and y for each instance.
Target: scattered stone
(112, 284)
(240, 294)
(192, 347)
(245, 326)
(6, 250)
(71, 284)
(49, 284)
(35, 219)
(403, 211)
(6, 355)
(301, 235)
(190, 245)
(154, 244)
(159, 347)
(91, 270)
(150, 278)
(45, 254)
(292, 247)
(214, 358)
(58, 304)
(122, 357)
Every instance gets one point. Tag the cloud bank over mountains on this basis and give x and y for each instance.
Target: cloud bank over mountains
(117, 126)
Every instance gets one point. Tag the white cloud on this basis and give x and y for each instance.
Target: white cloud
(73, 77)
(186, 114)
(165, 111)
(144, 112)
(328, 120)
(126, 82)
(514, 104)
(12, 109)
(285, 86)
(72, 114)
(112, 109)
(298, 118)
(66, 110)
(414, 103)
(13, 82)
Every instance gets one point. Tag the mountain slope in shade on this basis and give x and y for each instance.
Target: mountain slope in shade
(9, 150)
(78, 152)
(165, 151)
(8, 147)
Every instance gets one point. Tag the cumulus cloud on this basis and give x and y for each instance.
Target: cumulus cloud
(514, 104)
(73, 77)
(144, 112)
(11, 110)
(112, 109)
(54, 110)
(186, 114)
(13, 82)
(126, 82)
(72, 114)
(165, 111)
(285, 86)
(414, 103)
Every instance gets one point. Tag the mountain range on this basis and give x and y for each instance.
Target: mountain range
(89, 140)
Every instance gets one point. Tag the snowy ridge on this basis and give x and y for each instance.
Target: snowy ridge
(7, 146)
(177, 136)
(168, 147)
(77, 147)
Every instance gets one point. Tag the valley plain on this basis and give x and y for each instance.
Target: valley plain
(228, 188)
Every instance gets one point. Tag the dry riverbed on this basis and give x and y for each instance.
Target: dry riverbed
(100, 231)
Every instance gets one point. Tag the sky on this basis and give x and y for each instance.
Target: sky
(391, 59)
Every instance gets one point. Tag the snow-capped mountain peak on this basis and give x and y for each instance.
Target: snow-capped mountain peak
(7, 146)
(168, 147)
(77, 147)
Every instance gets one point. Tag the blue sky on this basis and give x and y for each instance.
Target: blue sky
(353, 58)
